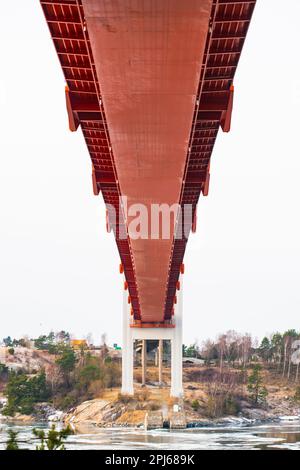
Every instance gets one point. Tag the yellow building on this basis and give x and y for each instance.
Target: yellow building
(79, 344)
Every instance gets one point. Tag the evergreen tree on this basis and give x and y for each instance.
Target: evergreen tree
(256, 389)
(277, 347)
(12, 443)
(265, 349)
(66, 362)
(23, 392)
(53, 440)
(7, 341)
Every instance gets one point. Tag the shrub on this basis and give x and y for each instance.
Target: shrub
(96, 388)
(66, 402)
(297, 394)
(124, 398)
(112, 375)
(153, 406)
(195, 405)
(88, 374)
(11, 351)
(231, 406)
(143, 395)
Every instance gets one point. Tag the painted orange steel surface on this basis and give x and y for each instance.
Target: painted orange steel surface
(148, 57)
(164, 72)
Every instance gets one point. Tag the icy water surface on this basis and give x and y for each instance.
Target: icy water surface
(284, 435)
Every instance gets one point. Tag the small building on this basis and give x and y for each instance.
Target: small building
(78, 344)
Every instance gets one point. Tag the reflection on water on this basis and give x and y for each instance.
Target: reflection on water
(269, 436)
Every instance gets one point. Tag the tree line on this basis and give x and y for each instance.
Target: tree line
(70, 378)
(280, 350)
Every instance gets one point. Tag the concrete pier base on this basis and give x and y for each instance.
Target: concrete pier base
(154, 420)
(177, 420)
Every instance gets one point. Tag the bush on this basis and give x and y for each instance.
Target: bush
(153, 406)
(96, 388)
(66, 402)
(88, 374)
(231, 406)
(221, 404)
(11, 351)
(143, 395)
(125, 398)
(112, 375)
(297, 394)
(9, 409)
(195, 405)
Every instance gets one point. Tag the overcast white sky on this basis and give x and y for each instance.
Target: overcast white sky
(59, 267)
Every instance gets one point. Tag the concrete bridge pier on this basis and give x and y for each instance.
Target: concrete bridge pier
(144, 361)
(176, 347)
(173, 334)
(127, 350)
(160, 360)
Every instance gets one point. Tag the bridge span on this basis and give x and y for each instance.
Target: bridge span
(150, 83)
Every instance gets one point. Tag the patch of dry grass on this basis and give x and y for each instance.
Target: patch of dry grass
(132, 417)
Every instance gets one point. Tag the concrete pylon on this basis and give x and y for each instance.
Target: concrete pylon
(160, 360)
(176, 347)
(127, 350)
(144, 361)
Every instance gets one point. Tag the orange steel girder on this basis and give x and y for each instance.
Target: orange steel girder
(227, 29)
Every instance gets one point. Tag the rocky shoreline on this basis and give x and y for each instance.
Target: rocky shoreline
(102, 413)
(43, 412)
(77, 425)
(115, 413)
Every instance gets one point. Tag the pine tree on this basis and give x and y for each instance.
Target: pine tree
(12, 443)
(53, 440)
(256, 389)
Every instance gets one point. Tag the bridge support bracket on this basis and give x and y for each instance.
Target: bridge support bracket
(226, 115)
(72, 116)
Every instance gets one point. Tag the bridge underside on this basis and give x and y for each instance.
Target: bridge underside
(148, 58)
(150, 83)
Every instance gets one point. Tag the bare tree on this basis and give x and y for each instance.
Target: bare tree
(246, 346)
(285, 350)
(208, 350)
(53, 375)
(103, 347)
(231, 346)
(221, 347)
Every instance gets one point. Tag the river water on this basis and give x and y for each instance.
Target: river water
(283, 435)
